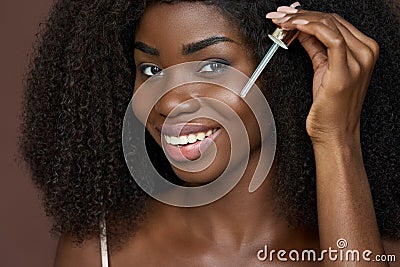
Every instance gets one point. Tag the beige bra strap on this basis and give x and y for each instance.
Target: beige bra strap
(103, 242)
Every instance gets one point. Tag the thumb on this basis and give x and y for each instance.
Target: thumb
(314, 48)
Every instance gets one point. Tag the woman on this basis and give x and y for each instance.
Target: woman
(93, 54)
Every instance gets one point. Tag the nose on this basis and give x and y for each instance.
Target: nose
(178, 101)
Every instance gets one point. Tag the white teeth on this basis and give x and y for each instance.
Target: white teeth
(174, 140)
(183, 140)
(191, 138)
(188, 139)
(201, 136)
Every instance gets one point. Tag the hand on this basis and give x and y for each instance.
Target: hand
(343, 59)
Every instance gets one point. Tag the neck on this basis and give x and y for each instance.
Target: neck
(239, 216)
(238, 219)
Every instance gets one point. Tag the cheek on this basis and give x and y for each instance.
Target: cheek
(248, 118)
(252, 127)
(241, 115)
(153, 132)
(238, 107)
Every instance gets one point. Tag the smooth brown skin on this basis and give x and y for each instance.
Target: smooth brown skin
(230, 231)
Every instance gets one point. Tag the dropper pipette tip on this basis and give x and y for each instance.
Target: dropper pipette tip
(259, 70)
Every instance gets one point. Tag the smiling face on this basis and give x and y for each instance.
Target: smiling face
(170, 34)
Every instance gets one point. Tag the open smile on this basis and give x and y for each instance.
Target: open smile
(187, 142)
(192, 138)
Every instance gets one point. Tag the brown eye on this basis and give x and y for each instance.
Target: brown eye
(150, 70)
(214, 66)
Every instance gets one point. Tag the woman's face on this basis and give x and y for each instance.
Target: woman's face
(170, 34)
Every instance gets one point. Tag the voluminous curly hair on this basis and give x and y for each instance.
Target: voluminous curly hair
(80, 83)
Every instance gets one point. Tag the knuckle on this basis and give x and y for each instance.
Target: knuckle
(326, 19)
(356, 70)
(338, 41)
(335, 15)
(344, 85)
(340, 90)
(368, 56)
(375, 47)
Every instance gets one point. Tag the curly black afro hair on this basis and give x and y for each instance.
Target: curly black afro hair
(80, 82)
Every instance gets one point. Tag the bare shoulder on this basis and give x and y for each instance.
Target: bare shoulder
(71, 254)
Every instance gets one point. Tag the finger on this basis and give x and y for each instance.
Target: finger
(359, 55)
(371, 43)
(355, 39)
(360, 58)
(314, 48)
(326, 32)
(355, 47)
(332, 39)
(358, 51)
(281, 16)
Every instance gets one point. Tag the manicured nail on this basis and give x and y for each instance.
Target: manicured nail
(300, 22)
(283, 20)
(287, 9)
(275, 15)
(295, 4)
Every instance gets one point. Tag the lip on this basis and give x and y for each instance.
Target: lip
(188, 152)
(185, 128)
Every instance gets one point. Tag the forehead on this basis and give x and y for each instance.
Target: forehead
(165, 24)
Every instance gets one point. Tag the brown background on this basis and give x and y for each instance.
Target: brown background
(24, 230)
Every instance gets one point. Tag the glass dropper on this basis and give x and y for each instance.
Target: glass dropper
(281, 38)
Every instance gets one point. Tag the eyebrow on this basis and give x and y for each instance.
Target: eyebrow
(146, 49)
(194, 47)
(186, 49)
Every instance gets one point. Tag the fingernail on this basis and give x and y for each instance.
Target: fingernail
(287, 9)
(275, 15)
(283, 20)
(295, 4)
(300, 22)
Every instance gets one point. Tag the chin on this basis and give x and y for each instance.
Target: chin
(203, 177)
